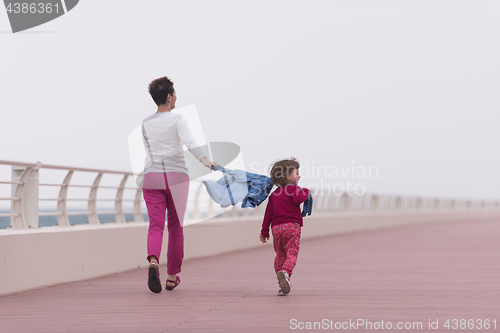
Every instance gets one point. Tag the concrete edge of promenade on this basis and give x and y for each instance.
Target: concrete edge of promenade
(34, 258)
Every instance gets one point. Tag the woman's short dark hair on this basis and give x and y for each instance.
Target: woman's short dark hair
(281, 170)
(160, 89)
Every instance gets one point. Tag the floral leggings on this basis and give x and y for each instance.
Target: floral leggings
(286, 239)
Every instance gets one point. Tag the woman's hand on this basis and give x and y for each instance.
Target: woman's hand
(207, 163)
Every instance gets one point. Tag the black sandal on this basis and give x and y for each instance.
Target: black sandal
(154, 283)
(177, 281)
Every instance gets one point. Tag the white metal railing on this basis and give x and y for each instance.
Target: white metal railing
(25, 200)
(24, 209)
(371, 201)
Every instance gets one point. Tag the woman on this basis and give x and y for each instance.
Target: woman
(166, 181)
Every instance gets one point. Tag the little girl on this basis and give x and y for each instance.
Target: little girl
(284, 216)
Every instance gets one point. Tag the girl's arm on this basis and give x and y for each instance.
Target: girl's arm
(300, 195)
(263, 238)
(268, 216)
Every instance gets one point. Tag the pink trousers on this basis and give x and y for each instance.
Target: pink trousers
(166, 192)
(286, 239)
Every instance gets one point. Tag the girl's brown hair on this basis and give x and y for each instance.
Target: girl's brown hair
(280, 170)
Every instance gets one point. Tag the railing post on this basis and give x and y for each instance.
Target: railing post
(261, 209)
(398, 202)
(196, 202)
(137, 203)
(419, 203)
(383, 202)
(211, 212)
(337, 202)
(358, 201)
(374, 202)
(26, 204)
(365, 203)
(234, 211)
(321, 199)
(62, 208)
(333, 203)
(324, 202)
(344, 202)
(93, 217)
(329, 203)
(436, 203)
(119, 216)
(353, 200)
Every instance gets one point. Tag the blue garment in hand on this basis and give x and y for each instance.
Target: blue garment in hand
(308, 206)
(239, 186)
(259, 187)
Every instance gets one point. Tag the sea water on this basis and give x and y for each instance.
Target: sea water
(47, 221)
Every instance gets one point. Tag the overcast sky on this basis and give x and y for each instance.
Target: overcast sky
(408, 88)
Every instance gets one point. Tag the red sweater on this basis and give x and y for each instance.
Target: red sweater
(283, 206)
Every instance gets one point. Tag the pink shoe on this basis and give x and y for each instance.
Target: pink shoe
(284, 282)
(280, 293)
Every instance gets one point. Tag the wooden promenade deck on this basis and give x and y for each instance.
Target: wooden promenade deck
(408, 275)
